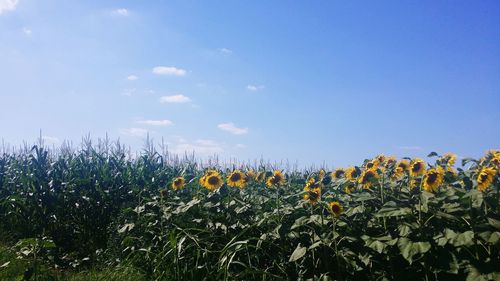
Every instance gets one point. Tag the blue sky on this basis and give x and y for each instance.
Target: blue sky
(316, 82)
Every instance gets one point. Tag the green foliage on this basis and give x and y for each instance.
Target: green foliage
(100, 214)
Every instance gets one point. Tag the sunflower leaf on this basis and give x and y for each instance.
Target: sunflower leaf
(298, 253)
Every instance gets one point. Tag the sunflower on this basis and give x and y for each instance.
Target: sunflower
(433, 178)
(389, 161)
(374, 163)
(237, 179)
(352, 173)
(417, 167)
(211, 180)
(485, 178)
(381, 158)
(338, 173)
(261, 176)
(276, 179)
(349, 189)
(367, 178)
(312, 191)
(178, 183)
(402, 168)
(321, 173)
(335, 208)
(251, 174)
(496, 158)
(449, 158)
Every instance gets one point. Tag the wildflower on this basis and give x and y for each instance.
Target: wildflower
(485, 178)
(401, 168)
(236, 179)
(338, 173)
(433, 178)
(211, 180)
(352, 173)
(417, 167)
(367, 178)
(312, 191)
(178, 183)
(335, 208)
(276, 179)
(374, 163)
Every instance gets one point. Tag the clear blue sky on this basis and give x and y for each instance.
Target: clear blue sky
(313, 81)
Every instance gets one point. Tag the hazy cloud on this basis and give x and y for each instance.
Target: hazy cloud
(169, 70)
(134, 132)
(230, 127)
(255, 88)
(163, 122)
(201, 146)
(225, 51)
(175, 99)
(121, 12)
(8, 5)
(132, 77)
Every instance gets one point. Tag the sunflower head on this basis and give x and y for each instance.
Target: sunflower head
(251, 174)
(390, 161)
(449, 159)
(349, 189)
(261, 176)
(237, 179)
(312, 191)
(338, 173)
(335, 208)
(433, 178)
(374, 163)
(417, 167)
(178, 183)
(485, 178)
(321, 173)
(368, 178)
(211, 180)
(401, 169)
(276, 179)
(352, 173)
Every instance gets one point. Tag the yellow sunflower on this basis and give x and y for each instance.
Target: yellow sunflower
(312, 191)
(236, 179)
(352, 173)
(321, 173)
(381, 158)
(335, 208)
(338, 173)
(417, 167)
(261, 176)
(485, 178)
(211, 180)
(276, 179)
(349, 189)
(389, 161)
(178, 183)
(367, 178)
(433, 178)
(402, 168)
(374, 163)
(251, 174)
(449, 158)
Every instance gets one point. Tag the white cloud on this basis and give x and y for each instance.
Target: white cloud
(50, 140)
(121, 12)
(225, 51)
(175, 99)
(230, 127)
(201, 146)
(8, 5)
(134, 132)
(169, 70)
(239, 145)
(255, 88)
(27, 31)
(164, 122)
(132, 77)
(129, 92)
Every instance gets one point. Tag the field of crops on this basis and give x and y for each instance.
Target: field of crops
(97, 212)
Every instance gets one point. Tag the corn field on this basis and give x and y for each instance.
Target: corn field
(166, 218)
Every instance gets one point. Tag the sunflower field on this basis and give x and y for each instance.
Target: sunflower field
(152, 216)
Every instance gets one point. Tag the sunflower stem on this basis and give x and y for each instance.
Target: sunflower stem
(334, 220)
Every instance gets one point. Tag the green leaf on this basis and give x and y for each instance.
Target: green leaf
(432, 154)
(464, 239)
(495, 223)
(298, 253)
